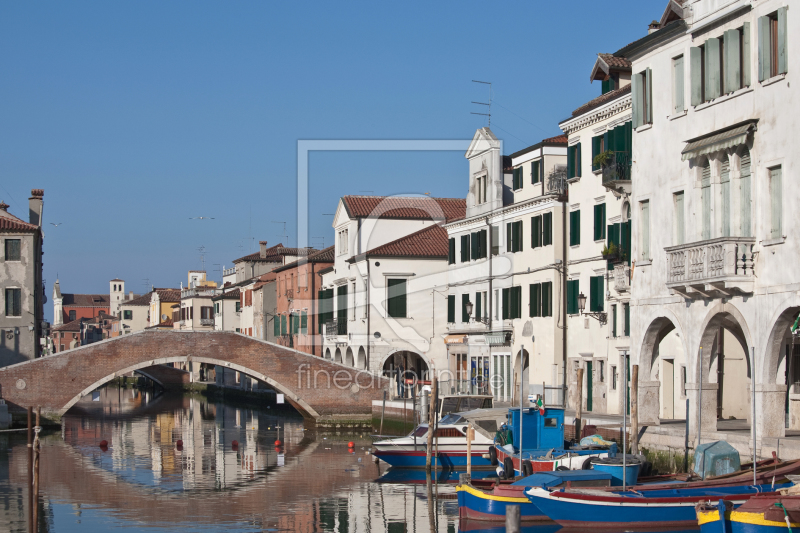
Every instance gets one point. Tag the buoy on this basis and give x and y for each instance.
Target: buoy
(235, 444)
(277, 443)
(103, 443)
(350, 444)
(179, 442)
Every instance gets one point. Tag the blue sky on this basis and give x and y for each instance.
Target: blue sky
(135, 116)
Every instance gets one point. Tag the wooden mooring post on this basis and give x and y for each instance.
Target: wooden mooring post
(30, 470)
(635, 409)
(512, 519)
(431, 421)
(36, 449)
(579, 406)
(470, 436)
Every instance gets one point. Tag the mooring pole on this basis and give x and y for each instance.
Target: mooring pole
(624, 420)
(30, 469)
(700, 401)
(686, 441)
(753, 401)
(579, 406)
(383, 410)
(635, 409)
(36, 445)
(469, 449)
(521, 396)
(512, 519)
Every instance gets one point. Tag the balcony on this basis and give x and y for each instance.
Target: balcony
(335, 327)
(206, 321)
(622, 278)
(714, 268)
(617, 172)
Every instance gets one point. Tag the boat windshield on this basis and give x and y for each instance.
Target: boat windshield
(420, 431)
(452, 419)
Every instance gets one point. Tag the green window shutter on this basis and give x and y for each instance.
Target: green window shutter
(599, 222)
(451, 251)
(627, 310)
(397, 298)
(746, 54)
(283, 324)
(464, 301)
(547, 229)
(295, 324)
(572, 296)
(519, 236)
(776, 200)
(451, 308)
(677, 77)
(341, 303)
(628, 143)
(783, 50)
(578, 160)
(625, 240)
(764, 55)
(636, 101)
(276, 322)
(731, 70)
(570, 163)
(473, 241)
(596, 293)
(536, 232)
(535, 172)
(613, 317)
(596, 150)
(304, 323)
(505, 304)
(535, 300)
(695, 75)
(547, 298)
(464, 248)
(478, 305)
(518, 302)
(575, 228)
(508, 237)
(484, 243)
(648, 93)
(712, 69)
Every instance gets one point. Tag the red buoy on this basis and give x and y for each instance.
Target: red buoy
(103, 443)
(351, 444)
(277, 443)
(179, 442)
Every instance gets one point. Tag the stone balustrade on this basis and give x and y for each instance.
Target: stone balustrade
(711, 268)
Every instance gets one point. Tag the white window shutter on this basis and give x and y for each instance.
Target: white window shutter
(732, 70)
(712, 69)
(679, 224)
(776, 201)
(783, 50)
(744, 194)
(635, 102)
(649, 94)
(695, 72)
(725, 180)
(678, 80)
(746, 54)
(763, 48)
(705, 197)
(645, 230)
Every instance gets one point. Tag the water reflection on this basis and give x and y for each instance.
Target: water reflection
(227, 475)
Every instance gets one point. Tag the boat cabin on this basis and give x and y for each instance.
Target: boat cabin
(538, 431)
(459, 403)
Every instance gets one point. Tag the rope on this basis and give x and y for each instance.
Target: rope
(785, 515)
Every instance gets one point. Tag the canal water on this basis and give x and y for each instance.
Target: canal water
(187, 463)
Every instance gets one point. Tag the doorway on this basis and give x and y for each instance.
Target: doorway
(589, 385)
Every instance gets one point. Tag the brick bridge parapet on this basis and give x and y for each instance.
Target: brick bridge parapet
(317, 387)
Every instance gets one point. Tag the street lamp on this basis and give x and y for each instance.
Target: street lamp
(468, 307)
(601, 317)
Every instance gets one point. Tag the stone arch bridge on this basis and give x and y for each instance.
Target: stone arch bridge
(320, 389)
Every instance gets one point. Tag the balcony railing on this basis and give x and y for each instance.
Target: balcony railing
(206, 321)
(617, 169)
(622, 278)
(335, 327)
(715, 267)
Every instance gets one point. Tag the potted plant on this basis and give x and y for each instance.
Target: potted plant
(602, 159)
(611, 252)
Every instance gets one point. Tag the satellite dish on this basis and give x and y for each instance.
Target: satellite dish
(163, 317)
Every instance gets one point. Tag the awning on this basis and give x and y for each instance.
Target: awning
(455, 339)
(717, 141)
(496, 338)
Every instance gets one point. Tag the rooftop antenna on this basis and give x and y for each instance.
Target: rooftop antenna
(489, 105)
(146, 282)
(218, 268)
(202, 251)
(284, 236)
(319, 239)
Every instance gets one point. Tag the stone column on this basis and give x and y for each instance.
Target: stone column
(770, 410)
(709, 408)
(649, 413)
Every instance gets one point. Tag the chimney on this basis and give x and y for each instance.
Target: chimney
(4, 206)
(653, 26)
(35, 206)
(130, 295)
(263, 250)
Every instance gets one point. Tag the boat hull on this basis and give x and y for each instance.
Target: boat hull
(576, 460)
(446, 460)
(479, 505)
(758, 515)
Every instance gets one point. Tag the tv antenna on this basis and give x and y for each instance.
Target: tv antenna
(284, 236)
(146, 282)
(218, 268)
(319, 239)
(488, 105)
(202, 250)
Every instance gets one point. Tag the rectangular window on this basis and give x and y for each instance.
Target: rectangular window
(478, 302)
(712, 72)
(451, 251)
(514, 236)
(574, 161)
(13, 250)
(575, 227)
(775, 202)
(517, 178)
(683, 381)
(547, 298)
(599, 222)
(535, 300)
(573, 288)
(483, 245)
(613, 377)
(397, 298)
(772, 51)
(295, 323)
(536, 174)
(341, 310)
(679, 223)
(480, 183)
(14, 302)
(642, 93)
(602, 371)
(705, 202)
(127, 314)
(276, 323)
(644, 210)
(72, 315)
(598, 147)
(283, 325)
(536, 231)
(626, 311)
(677, 85)
(495, 240)
(451, 308)
(596, 294)
(343, 242)
(547, 229)
(473, 246)
(464, 248)
(516, 302)
(304, 323)
(614, 320)
(464, 302)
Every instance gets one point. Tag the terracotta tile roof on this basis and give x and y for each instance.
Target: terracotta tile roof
(323, 256)
(427, 242)
(234, 294)
(615, 62)
(141, 300)
(168, 323)
(75, 325)
(559, 139)
(405, 207)
(275, 254)
(12, 223)
(600, 100)
(85, 300)
(169, 295)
